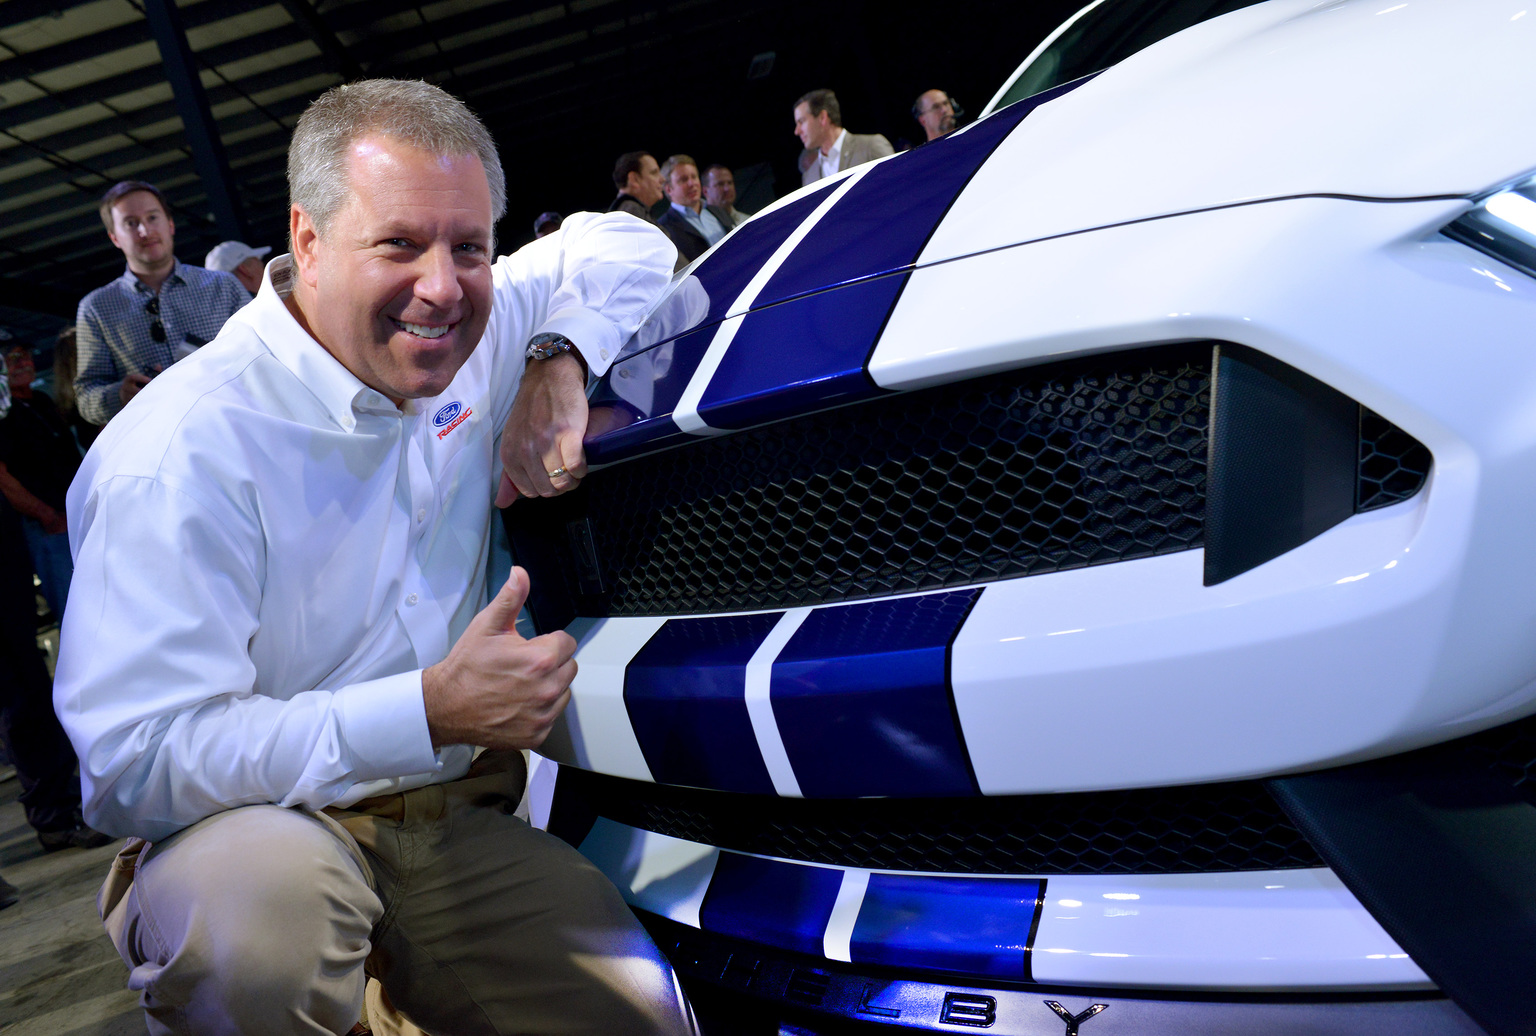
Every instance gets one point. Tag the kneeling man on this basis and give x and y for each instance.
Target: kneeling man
(276, 659)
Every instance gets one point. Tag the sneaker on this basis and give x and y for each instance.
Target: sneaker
(77, 837)
(8, 893)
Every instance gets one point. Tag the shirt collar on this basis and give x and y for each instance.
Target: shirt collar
(837, 145)
(131, 279)
(338, 389)
(686, 212)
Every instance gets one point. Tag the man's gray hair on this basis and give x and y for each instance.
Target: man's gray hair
(417, 113)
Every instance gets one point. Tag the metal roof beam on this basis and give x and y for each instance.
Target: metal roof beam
(15, 12)
(196, 117)
(54, 240)
(185, 194)
(377, 48)
(577, 30)
(361, 17)
(152, 75)
(140, 118)
(594, 27)
(307, 18)
(643, 58)
(119, 37)
(104, 163)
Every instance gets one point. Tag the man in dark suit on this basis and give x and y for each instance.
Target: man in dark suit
(829, 148)
(692, 225)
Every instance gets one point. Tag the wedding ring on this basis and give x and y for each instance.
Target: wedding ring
(557, 473)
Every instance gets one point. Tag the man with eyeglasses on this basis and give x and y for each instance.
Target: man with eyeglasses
(158, 311)
(935, 111)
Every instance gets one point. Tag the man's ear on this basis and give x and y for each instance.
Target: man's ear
(306, 245)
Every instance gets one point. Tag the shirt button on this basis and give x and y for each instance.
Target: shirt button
(412, 599)
(421, 515)
(604, 353)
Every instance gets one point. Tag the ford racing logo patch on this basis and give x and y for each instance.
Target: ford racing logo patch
(450, 417)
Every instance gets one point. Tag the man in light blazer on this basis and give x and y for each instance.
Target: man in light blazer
(828, 147)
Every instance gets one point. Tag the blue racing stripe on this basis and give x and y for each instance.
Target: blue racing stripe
(862, 700)
(685, 692)
(974, 926)
(811, 352)
(772, 902)
(804, 358)
(884, 221)
(654, 368)
(724, 273)
(642, 391)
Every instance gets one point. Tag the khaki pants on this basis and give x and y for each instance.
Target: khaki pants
(265, 920)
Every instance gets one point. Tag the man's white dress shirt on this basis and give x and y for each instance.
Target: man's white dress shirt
(268, 552)
(831, 159)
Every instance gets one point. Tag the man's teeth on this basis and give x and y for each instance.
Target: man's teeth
(423, 331)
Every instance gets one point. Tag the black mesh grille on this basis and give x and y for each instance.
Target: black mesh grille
(1393, 464)
(1213, 827)
(1011, 475)
(1040, 470)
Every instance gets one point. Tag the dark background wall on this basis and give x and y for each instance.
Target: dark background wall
(694, 96)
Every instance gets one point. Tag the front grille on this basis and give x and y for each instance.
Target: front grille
(1212, 827)
(1011, 475)
(1038, 470)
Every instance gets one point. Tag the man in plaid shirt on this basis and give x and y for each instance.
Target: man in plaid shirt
(158, 311)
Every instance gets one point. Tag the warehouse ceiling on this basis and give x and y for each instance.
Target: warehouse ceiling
(87, 98)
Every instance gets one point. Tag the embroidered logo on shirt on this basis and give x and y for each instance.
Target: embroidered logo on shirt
(450, 417)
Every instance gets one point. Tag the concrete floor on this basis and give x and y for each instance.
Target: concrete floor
(59, 976)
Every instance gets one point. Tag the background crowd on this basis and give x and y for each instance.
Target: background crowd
(696, 204)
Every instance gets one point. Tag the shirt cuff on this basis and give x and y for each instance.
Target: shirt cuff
(593, 334)
(384, 727)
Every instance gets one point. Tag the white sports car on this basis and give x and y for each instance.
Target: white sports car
(1074, 573)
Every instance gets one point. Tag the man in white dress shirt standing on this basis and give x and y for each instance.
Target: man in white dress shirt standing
(278, 652)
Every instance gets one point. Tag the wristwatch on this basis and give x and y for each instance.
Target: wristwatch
(548, 345)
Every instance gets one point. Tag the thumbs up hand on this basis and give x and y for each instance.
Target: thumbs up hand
(496, 688)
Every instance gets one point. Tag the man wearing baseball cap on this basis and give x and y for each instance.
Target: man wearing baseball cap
(240, 259)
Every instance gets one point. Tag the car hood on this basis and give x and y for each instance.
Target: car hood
(1381, 99)
(1368, 99)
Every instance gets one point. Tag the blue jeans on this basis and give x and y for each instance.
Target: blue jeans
(50, 557)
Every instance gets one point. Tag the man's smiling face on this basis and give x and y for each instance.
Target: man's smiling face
(398, 288)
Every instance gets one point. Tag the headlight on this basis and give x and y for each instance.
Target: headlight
(1503, 225)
